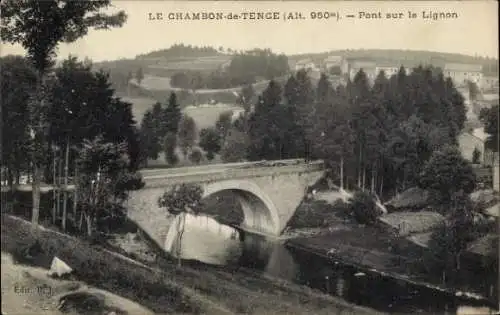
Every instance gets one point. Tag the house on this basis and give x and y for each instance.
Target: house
(489, 83)
(392, 68)
(305, 64)
(469, 141)
(460, 73)
(368, 67)
(334, 62)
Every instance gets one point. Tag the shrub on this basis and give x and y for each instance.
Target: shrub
(196, 156)
(363, 208)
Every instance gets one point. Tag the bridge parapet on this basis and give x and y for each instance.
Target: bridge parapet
(229, 173)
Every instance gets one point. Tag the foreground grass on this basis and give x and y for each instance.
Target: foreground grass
(189, 290)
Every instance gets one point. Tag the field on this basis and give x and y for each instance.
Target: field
(204, 115)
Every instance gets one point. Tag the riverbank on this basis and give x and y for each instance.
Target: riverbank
(370, 252)
(191, 289)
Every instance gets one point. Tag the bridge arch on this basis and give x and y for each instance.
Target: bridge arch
(260, 213)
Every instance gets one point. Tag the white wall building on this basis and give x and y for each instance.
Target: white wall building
(460, 73)
(305, 64)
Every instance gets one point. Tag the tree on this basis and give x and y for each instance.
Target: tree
(246, 97)
(235, 147)
(171, 116)
(196, 156)
(448, 241)
(210, 141)
(103, 181)
(39, 26)
(447, 173)
(489, 117)
(179, 200)
(187, 134)
(18, 82)
(363, 208)
(474, 91)
(266, 128)
(223, 124)
(476, 156)
(149, 137)
(170, 143)
(139, 76)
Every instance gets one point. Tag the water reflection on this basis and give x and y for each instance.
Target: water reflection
(214, 243)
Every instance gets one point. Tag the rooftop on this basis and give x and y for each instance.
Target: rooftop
(334, 59)
(463, 67)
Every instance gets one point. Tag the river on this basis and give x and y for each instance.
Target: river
(275, 258)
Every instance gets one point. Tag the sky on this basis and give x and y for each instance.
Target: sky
(474, 32)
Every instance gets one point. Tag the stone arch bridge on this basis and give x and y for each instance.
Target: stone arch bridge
(268, 192)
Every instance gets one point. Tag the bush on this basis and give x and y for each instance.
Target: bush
(363, 208)
(196, 156)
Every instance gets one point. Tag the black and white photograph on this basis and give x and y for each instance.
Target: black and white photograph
(249, 157)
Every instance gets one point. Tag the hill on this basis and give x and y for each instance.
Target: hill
(490, 65)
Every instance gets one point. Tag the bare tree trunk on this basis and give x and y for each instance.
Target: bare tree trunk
(65, 201)
(372, 188)
(89, 225)
(364, 178)
(359, 168)
(75, 194)
(180, 230)
(54, 188)
(342, 172)
(36, 194)
(58, 208)
(381, 186)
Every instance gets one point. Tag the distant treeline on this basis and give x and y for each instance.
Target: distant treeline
(245, 68)
(181, 50)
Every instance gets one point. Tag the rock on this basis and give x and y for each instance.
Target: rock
(59, 268)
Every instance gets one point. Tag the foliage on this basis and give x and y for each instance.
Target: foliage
(223, 124)
(103, 179)
(39, 26)
(447, 173)
(474, 91)
(476, 156)
(181, 50)
(236, 147)
(187, 134)
(196, 156)
(18, 82)
(139, 76)
(363, 208)
(182, 198)
(210, 141)
(449, 240)
(489, 117)
(84, 107)
(244, 69)
(170, 143)
(246, 97)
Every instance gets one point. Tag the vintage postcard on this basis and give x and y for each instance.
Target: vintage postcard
(250, 157)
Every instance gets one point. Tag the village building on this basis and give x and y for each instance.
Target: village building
(304, 64)
(461, 73)
(393, 68)
(331, 63)
(468, 141)
(368, 67)
(489, 83)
